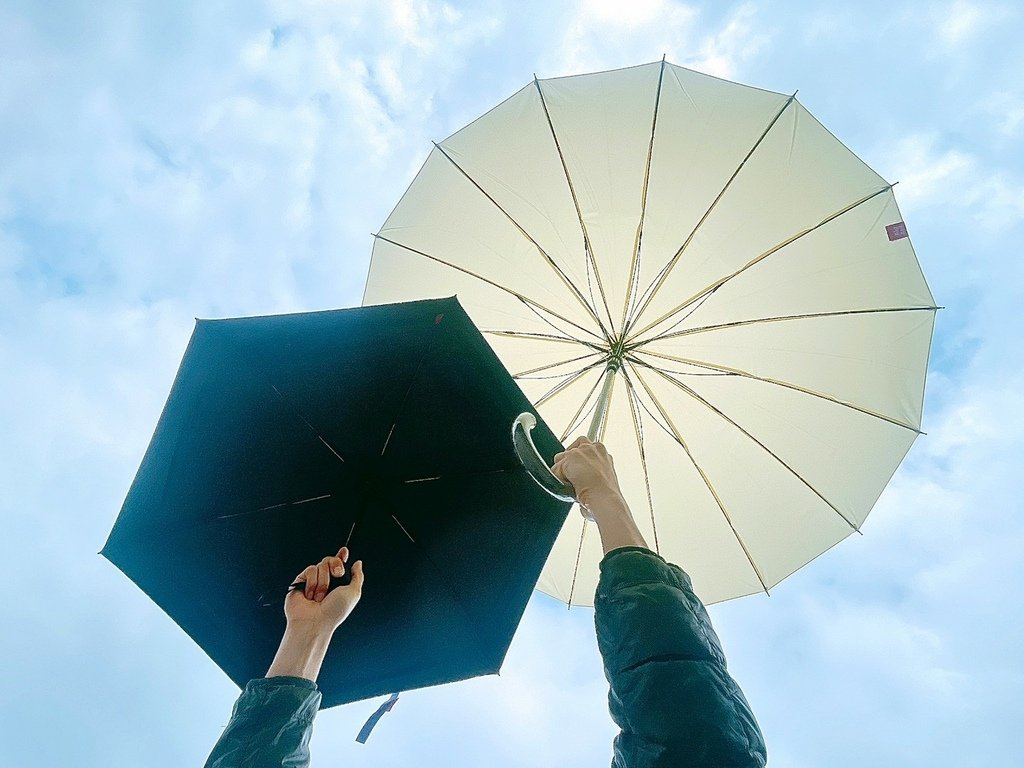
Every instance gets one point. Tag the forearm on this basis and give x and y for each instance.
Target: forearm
(614, 520)
(270, 725)
(670, 691)
(301, 652)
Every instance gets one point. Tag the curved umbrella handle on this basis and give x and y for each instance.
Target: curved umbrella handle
(532, 461)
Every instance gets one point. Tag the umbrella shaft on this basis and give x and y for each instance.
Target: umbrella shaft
(596, 431)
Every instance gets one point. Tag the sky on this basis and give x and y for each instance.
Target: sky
(166, 161)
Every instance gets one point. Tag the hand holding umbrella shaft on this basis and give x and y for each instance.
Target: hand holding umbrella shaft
(314, 611)
(590, 469)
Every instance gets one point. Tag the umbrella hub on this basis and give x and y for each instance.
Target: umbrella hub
(616, 353)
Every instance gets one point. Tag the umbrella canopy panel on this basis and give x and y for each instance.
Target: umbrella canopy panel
(748, 274)
(382, 428)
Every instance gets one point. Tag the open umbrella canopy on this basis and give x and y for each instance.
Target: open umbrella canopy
(383, 428)
(707, 264)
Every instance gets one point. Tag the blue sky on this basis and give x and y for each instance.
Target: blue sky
(163, 161)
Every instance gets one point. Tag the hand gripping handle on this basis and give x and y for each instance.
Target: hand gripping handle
(532, 461)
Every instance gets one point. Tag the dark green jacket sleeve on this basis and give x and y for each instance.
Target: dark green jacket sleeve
(270, 725)
(670, 692)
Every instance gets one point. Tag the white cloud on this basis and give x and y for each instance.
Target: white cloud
(1006, 110)
(741, 39)
(932, 177)
(605, 34)
(630, 14)
(961, 21)
(826, 24)
(216, 166)
(925, 174)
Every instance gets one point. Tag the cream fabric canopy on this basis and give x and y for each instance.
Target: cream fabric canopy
(750, 274)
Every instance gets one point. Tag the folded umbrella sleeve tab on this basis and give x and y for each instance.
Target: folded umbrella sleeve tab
(364, 732)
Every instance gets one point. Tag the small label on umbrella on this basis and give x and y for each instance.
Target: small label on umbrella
(897, 231)
(439, 318)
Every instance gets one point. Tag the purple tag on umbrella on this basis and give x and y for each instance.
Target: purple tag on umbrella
(897, 231)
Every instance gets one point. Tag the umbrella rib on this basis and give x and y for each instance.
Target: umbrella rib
(660, 278)
(549, 366)
(757, 260)
(529, 302)
(450, 475)
(547, 257)
(777, 382)
(638, 431)
(775, 319)
(588, 251)
(407, 534)
(543, 319)
(537, 337)
(562, 385)
(635, 260)
(763, 447)
(576, 421)
(405, 398)
(442, 578)
(301, 417)
(690, 310)
(576, 568)
(674, 434)
(273, 506)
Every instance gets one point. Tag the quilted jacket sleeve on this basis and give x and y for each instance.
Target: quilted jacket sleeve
(270, 725)
(670, 692)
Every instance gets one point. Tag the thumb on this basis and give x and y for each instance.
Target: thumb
(357, 576)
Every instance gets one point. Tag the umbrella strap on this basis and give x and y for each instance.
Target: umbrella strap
(364, 733)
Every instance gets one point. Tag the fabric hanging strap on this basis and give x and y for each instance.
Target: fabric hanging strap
(364, 733)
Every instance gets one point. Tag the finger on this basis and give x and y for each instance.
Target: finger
(343, 554)
(357, 576)
(310, 577)
(579, 441)
(558, 470)
(323, 581)
(337, 566)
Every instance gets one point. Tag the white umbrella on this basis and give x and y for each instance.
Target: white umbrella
(706, 264)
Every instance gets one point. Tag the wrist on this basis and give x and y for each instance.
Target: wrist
(308, 631)
(604, 502)
(301, 652)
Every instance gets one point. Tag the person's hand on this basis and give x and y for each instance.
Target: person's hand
(590, 469)
(314, 606)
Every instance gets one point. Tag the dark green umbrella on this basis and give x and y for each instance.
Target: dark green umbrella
(384, 428)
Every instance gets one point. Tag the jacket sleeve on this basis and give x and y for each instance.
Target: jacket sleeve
(270, 725)
(670, 692)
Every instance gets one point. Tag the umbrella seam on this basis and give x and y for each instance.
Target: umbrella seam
(779, 383)
(529, 302)
(588, 251)
(764, 447)
(674, 433)
(777, 318)
(634, 276)
(576, 568)
(547, 257)
(663, 274)
(755, 261)
(638, 431)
